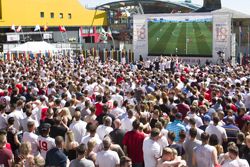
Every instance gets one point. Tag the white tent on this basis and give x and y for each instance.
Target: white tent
(34, 47)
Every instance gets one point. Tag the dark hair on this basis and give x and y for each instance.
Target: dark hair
(92, 128)
(204, 136)
(11, 121)
(155, 132)
(193, 132)
(124, 159)
(233, 150)
(216, 119)
(136, 124)
(81, 149)
(192, 121)
(182, 134)
(171, 135)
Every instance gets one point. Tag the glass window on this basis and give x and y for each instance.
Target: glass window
(61, 15)
(98, 29)
(234, 24)
(52, 15)
(69, 15)
(87, 30)
(42, 14)
(240, 23)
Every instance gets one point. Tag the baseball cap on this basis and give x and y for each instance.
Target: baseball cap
(46, 127)
(178, 115)
(207, 118)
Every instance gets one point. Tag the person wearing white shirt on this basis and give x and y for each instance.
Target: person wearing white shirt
(151, 149)
(193, 115)
(44, 142)
(106, 157)
(18, 116)
(117, 97)
(104, 129)
(147, 64)
(192, 123)
(6, 100)
(127, 122)
(236, 161)
(32, 138)
(78, 127)
(116, 111)
(3, 116)
(92, 135)
(24, 122)
(217, 130)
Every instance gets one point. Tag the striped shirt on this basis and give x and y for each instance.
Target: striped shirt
(134, 141)
(175, 126)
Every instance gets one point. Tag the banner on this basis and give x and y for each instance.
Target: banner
(13, 37)
(185, 31)
(47, 36)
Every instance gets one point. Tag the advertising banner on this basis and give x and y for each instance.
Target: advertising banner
(13, 37)
(47, 36)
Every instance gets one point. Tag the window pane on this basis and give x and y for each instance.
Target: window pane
(42, 14)
(52, 15)
(69, 16)
(61, 15)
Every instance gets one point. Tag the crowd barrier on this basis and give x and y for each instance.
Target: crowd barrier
(104, 55)
(242, 58)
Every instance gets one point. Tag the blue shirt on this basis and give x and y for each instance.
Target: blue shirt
(55, 157)
(175, 126)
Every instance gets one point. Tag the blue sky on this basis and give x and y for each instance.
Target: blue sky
(238, 5)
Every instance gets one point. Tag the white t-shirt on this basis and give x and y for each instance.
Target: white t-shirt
(147, 64)
(24, 122)
(168, 64)
(79, 129)
(45, 144)
(236, 163)
(118, 98)
(197, 119)
(127, 123)
(218, 131)
(18, 116)
(32, 138)
(82, 105)
(198, 136)
(117, 111)
(107, 158)
(3, 121)
(151, 151)
(98, 142)
(6, 100)
(103, 130)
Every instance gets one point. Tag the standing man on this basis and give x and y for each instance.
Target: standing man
(205, 155)
(45, 142)
(151, 149)
(78, 127)
(106, 157)
(6, 156)
(189, 146)
(54, 156)
(182, 107)
(81, 161)
(139, 91)
(176, 126)
(117, 134)
(133, 141)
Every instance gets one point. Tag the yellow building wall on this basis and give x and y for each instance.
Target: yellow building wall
(27, 12)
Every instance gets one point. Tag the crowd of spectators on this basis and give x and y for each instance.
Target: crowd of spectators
(85, 113)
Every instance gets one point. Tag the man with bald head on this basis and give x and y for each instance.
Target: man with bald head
(231, 131)
(117, 134)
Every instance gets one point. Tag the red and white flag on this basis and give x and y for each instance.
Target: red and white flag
(13, 27)
(19, 28)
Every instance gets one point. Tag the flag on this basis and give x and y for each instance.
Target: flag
(19, 28)
(13, 27)
(103, 31)
(45, 27)
(109, 33)
(248, 32)
(240, 32)
(37, 28)
(62, 28)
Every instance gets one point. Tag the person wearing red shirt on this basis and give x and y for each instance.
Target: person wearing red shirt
(242, 118)
(228, 101)
(182, 108)
(98, 105)
(200, 102)
(183, 77)
(133, 141)
(211, 88)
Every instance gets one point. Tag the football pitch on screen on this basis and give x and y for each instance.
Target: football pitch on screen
(184, 38)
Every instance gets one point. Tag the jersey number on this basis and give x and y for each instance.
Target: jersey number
(43, 146)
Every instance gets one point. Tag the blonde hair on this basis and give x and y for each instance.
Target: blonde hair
(67, 113)
(219, 149)
(25, 148)
(69, 138)
(167, 151)
(39, 161)
(91, 144)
